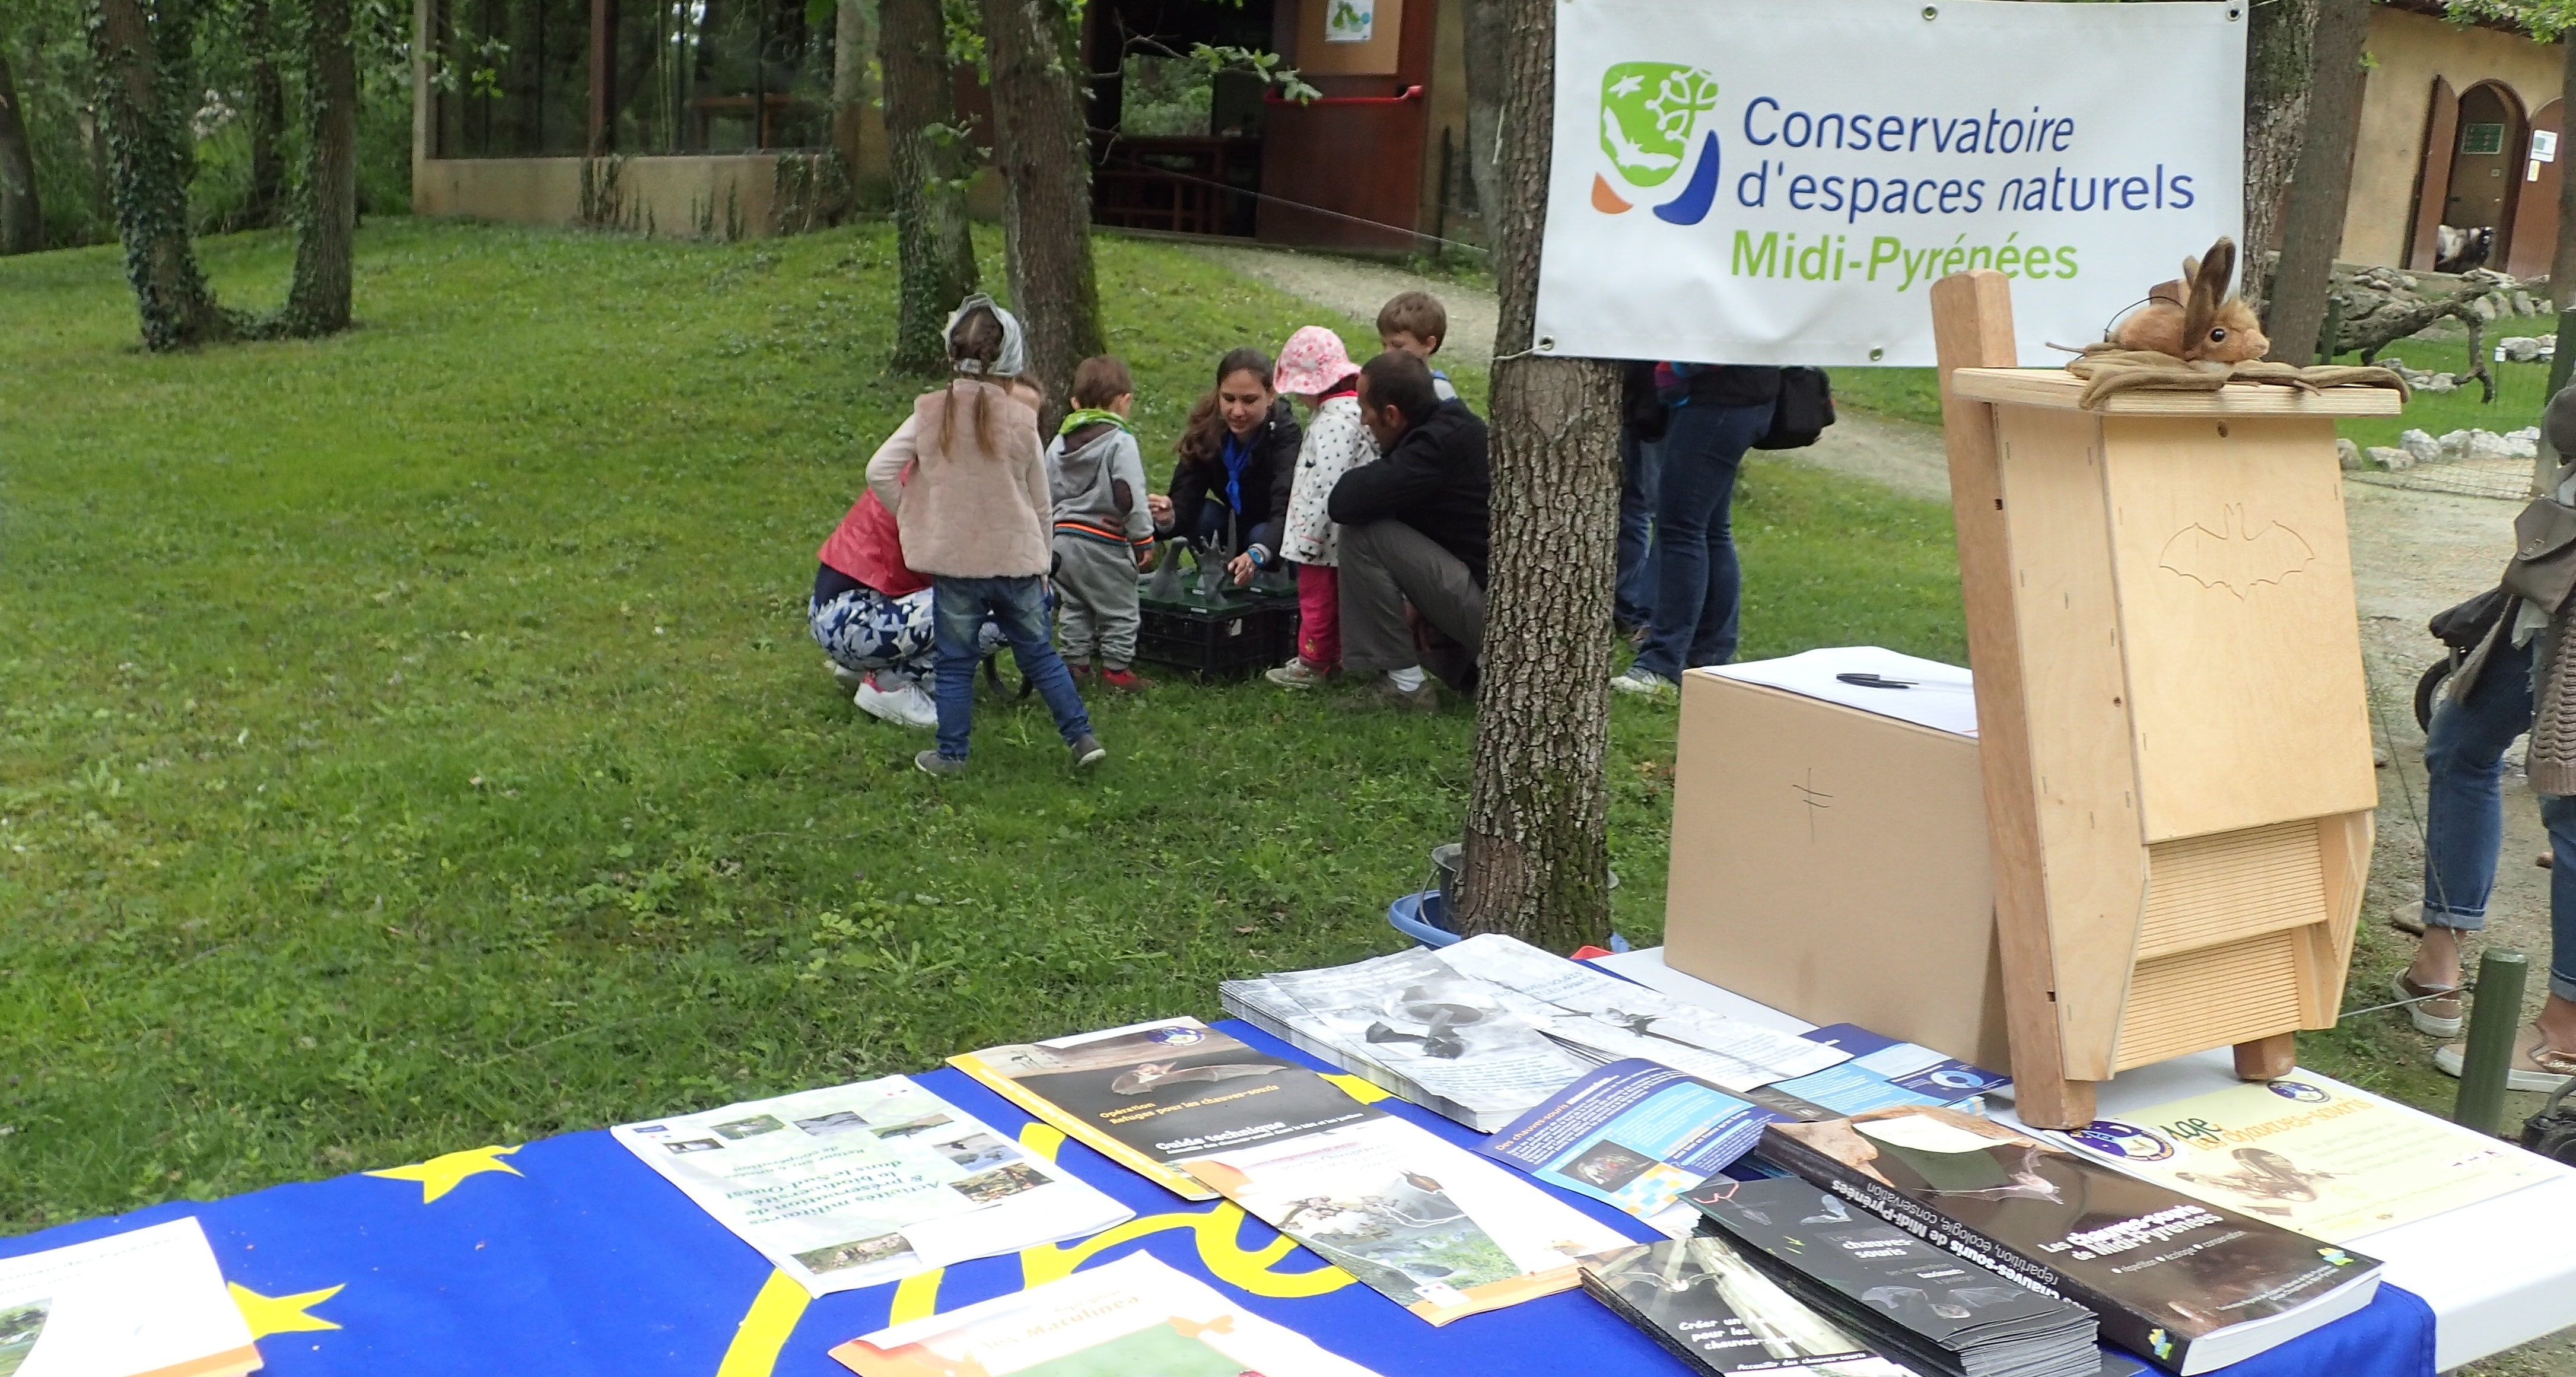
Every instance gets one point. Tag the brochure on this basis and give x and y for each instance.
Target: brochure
(1435, 1228)
(145, 1303)
(1938, 1312)
(2313, 1155)
(867, 1183)
(2187, 1285)
(1606, 1019)
(1883, 1074)
(1634, 1134)
(1439, 1036)
(1135, 1316)
(1150, 1094)
(1706, 1305)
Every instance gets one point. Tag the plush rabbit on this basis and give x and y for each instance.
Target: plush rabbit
(2195, 319)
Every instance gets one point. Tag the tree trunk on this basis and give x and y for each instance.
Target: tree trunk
(1538, 858)
(1486, 41)
(2562, 271)
(144, 111)
(2312, 226)
(926, 158)
(265, 117)
(317, 302)
(22, 218)
(2278, 68)
(1044, 153)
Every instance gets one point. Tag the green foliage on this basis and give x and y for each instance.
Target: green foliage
(413, 741)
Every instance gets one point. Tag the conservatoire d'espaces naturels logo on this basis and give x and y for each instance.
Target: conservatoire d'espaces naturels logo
(1649, 111)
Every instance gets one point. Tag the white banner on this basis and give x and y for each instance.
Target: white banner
(1744, 181)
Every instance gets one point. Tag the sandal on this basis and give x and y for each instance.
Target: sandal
(2536, 1065)
(2435, 1009)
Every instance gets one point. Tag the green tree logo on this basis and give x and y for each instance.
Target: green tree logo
(1648, 110)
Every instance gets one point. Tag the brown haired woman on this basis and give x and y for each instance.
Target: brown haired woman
(1237, 455)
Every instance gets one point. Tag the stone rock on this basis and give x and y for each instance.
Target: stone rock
(2420, 447)
(2523, 444)
(2347, 453)
(2391, 458)
(2522, 304)
(2438, 382)
(2485, 445)
(2520, 349)
(2454, 446)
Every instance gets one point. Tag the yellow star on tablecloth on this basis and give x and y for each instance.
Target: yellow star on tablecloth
(439, 1175)
(281, 1314)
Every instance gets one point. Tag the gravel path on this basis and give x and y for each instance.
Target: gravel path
(1356, 287)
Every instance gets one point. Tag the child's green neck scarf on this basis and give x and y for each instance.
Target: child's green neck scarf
(1090, 416)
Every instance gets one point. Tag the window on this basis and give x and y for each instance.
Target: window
(514, 77)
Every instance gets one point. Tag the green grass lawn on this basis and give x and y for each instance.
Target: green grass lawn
(411, 741)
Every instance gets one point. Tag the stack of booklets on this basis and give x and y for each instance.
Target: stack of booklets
(1483, 1031)
(2188, 1285)
(1413, 1027)
(1719, 1314)
(1633, 1134)
(1936, 1311)
(1432, 1226)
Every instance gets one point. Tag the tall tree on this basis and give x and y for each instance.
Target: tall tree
(2312, 226)
(2279, 64)
(142, 49)
(927, 155)
(1537, 859)
(1044, 153)
(264, 115)
(22, 216)
(326, 219)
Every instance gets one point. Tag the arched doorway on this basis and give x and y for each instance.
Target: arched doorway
(2487, 155)
(2433, 178)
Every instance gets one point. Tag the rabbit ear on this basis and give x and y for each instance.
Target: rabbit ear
(2218, 268)
(2199, 308)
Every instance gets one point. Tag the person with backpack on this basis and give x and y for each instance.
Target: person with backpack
(1717, 412)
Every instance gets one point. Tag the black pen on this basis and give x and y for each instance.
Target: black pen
(1874, 681)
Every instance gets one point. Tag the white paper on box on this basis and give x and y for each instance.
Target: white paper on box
(127, 1305)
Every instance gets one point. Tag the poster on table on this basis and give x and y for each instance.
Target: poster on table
(1735, 181)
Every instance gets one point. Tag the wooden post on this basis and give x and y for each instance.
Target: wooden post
(1972, 328)
(2267, 1058)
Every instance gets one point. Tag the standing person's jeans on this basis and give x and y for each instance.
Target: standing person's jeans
(1018, 606)
(1639, 463)
(2464, 750)
(1698, 584)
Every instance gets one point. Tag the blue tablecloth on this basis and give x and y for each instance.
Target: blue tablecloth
(569, 1256)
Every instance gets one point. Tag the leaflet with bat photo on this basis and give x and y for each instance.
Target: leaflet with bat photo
(1434, 1029)
(1151, 1095)
(1418, 1219)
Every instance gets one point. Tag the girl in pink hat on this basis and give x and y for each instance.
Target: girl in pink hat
(1315, 369)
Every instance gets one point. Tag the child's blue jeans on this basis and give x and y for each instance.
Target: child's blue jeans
(1018, 607)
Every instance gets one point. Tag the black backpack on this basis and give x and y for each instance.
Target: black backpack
(1805, 408)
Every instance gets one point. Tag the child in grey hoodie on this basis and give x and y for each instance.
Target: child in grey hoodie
(1102, 527)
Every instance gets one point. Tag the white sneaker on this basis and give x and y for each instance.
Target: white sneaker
(906, 706)
(849, 679)
(1645, 684)
(1296, 674)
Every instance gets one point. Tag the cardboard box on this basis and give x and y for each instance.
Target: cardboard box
(1832, 864)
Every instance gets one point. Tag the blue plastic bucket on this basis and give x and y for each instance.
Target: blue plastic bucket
(1421, 917)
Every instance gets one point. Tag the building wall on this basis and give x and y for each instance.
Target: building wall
(714, 196)
(2408, 52)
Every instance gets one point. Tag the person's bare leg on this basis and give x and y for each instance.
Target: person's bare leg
(2437, 963)
(2557, 1024)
